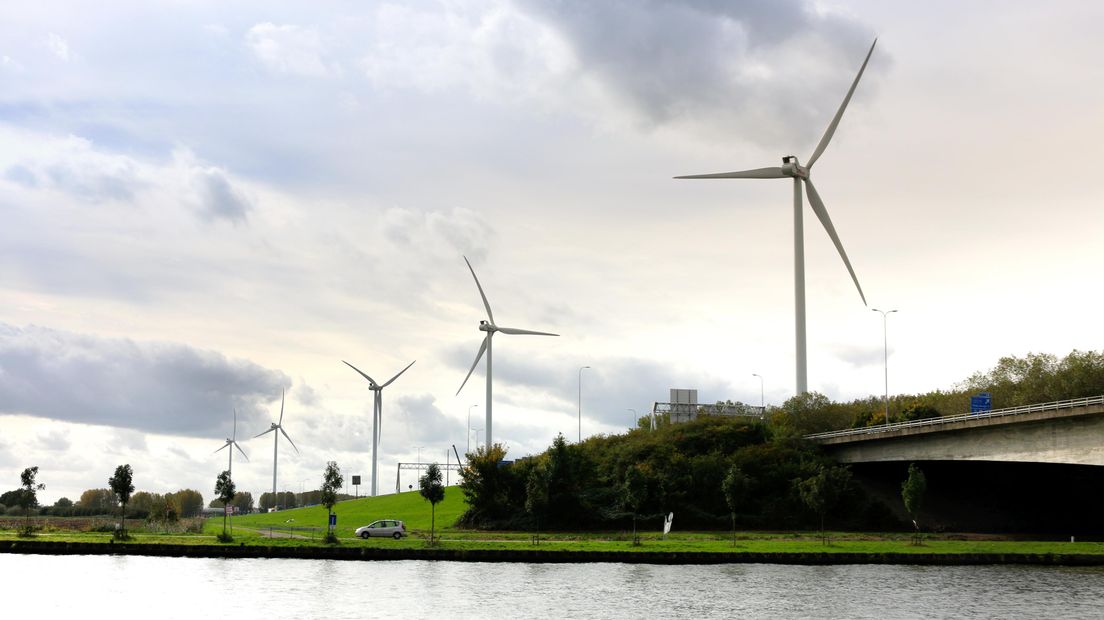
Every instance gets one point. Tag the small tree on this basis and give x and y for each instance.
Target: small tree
(822, 491)
(735, 487)
(224, 491)
(536, 496)
(28, 496)
(912, 493)
(633, 493)
(331, 484)
(430, 487)
(122, 485)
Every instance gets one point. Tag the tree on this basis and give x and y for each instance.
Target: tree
(190, 502)
(822, 491)
(912, 492)
(97, 501)
(28, 498)
(735, 487)
(243, 501)
(164, 509)
(122, 485)
(224, 490)
(63, 506)
(430, 487)
(633, 492)
(536, 496)
(486, 486)
(331, 483)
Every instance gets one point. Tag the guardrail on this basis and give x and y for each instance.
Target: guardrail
(995, 413)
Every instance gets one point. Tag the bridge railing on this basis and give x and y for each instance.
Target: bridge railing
(995, 413)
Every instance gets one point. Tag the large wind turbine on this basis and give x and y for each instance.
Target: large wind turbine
(377, 414)
(490, 327)
(232, 441)
(277, 426)
(800, 174)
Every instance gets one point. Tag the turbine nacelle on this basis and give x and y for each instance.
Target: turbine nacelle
(484, 326)
(791, 168)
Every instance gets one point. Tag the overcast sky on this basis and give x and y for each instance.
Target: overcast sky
(205, 203)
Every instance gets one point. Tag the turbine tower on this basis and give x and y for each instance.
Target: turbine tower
(801, 174)
(490, 328)
(377, 415)
(231, 441)
(277, 426)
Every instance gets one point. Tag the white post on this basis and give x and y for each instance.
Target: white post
(581, 403)
(799, 291)
(885, 358)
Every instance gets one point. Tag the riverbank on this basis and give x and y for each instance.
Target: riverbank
(1089, 554)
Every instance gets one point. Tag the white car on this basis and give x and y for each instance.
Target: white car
(384, 527)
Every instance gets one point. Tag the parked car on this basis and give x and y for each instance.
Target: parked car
(384, 527)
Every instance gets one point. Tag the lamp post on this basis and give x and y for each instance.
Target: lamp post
(885, 358)
(581, 403)
(419, 449)
(634, 418)
(762, 408)
(467, 435)
(477, 431)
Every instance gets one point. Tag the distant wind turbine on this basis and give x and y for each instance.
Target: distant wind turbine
(277, 426)
(377, 415)
(490, 328)
(791, 168)
(232, 441)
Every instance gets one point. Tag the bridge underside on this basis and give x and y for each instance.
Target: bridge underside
(991, 496)
(1066, 440)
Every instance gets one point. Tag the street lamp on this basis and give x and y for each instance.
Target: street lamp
(635, 418)
(762, 409)
(419, 449)
(885, 358)
(477, 431)
(467, 435)
(581, 403)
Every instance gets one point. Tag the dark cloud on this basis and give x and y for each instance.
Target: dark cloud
(783, 65)
(153, 387)
(426, 422)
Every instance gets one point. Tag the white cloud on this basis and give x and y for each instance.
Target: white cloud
(58, 45)
(289, 49)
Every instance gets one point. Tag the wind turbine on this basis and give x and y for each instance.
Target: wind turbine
(231, 441)
(490, 328)
(800, 174)
(377, 414)
(277, 426)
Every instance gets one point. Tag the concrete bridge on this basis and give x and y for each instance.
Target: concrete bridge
(1067, 432)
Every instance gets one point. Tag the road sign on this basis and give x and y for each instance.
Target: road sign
(356, 480)
(333, 520)
(981, 402)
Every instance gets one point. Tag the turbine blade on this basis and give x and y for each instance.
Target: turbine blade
(379, 416)
(478, 356)
(240, 450)
(486, 304)
(234, 435)
(397, 376)
(773, 172)
(513, 331)
(281, 408)
(221, 449)
(822, 213)
(827, 137)
(264, 433)
(370, 379)
(289, 439)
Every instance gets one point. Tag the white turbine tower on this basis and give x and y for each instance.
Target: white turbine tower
(232, 441)
(800, 174)
(490, 328)
(377, 415)
(277, 426)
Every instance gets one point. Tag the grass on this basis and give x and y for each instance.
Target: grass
(308, 525)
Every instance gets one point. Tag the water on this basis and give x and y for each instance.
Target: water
(105, 586)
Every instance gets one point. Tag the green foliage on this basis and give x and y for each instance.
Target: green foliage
(487, 488)
(243, 501)
(97, 501)
(190, 502)
(432, 489)
(224, 491)
(823, 491)
(331, 483)
(536, 494)
(122, 485)
(633, 492)
(912, 492)
(283, 500)
(735, 488)
(28, 497)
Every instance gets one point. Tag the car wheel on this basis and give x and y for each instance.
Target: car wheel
(364, 535)
(397, 535)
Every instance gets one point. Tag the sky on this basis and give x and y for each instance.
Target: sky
(204, 204)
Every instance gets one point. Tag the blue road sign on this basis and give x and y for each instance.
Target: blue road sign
(981, 402)
(333, 520)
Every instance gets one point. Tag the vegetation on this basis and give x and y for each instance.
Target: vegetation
(431, 488)
(735, 487)
(28, 497)
(331, 482)
(912, 493)
(224, 490)
(822, 492)
(633, 493)
(122, 485)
